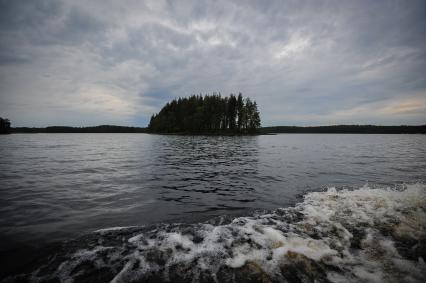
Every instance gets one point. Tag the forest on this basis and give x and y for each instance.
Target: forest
(66, 129)
(346, 129)
(4, 126)
(336, 129)
(208, 114)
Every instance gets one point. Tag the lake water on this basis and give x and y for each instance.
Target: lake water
(56, 187)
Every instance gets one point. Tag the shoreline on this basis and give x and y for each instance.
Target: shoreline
(333, 129)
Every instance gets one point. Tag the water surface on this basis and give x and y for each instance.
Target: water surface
(53, 186)
(56, 187)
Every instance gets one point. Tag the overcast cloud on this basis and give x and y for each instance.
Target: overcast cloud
(305, 62)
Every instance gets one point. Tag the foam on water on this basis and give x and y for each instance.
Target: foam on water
(362, 235)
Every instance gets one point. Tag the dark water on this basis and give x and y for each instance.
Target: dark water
(59, 186)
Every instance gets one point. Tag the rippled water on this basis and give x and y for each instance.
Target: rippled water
(58, 186)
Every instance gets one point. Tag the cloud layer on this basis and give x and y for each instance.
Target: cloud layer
(305, 62)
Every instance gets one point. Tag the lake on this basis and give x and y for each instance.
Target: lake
(56, 187)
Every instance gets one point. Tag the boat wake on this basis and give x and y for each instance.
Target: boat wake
(361, 235)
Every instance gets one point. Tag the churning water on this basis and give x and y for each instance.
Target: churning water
(294, 208)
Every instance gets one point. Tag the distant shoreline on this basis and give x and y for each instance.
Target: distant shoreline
(335, 129)
(347, 129)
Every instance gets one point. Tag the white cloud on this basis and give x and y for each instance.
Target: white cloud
(295, 46)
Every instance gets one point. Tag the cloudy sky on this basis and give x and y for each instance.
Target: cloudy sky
(84, 63)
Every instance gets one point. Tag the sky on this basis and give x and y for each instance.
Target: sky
(85, 63)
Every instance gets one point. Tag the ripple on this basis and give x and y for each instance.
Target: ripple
(77, 181)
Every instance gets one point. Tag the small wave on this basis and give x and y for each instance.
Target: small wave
(110, 229)
(362, 235)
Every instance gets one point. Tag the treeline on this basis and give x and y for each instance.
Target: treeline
(338, 129)
(207, 114)
(96, 129)
(4, 126)
(347, 129)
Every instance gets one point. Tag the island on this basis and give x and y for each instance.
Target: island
(208, 114)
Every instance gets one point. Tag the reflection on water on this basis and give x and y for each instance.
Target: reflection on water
(203, 174)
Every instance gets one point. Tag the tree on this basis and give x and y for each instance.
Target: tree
(255, 118)
(240, 106)
(232, 111)
(4, 126)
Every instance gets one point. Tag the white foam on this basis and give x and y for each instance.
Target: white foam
(324, 232)
(112, 229)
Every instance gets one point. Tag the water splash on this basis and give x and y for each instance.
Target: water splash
(362, 235)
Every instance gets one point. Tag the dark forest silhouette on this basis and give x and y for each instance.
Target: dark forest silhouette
(346, 129)
(337, 129)
(95, 129)
(207, 114)
(4, 126)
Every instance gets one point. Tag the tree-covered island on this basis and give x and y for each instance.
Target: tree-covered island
(208, 114)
